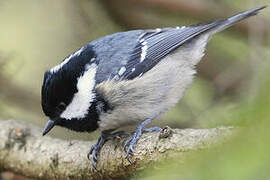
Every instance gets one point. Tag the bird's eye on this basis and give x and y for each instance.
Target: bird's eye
(61, 106)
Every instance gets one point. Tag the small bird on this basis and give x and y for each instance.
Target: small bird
(126, 78)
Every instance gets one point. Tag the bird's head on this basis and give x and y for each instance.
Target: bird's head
(68, 96)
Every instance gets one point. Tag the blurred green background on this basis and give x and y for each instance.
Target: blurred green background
(230, 89)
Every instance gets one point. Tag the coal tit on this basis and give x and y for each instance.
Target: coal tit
(126, 78)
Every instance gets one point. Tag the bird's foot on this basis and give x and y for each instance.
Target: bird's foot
(153, 129)
(95, 149)
(130, 143)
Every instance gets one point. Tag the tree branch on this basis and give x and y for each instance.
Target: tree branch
(24, 151)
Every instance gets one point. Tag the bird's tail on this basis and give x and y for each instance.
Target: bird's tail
(236, 18)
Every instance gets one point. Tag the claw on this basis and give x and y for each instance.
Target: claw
(127, 157)
(88, 154)
(95, 157)
(91, 150)
(94, 164)
(95, 149)
(130, 143)
(129, 152)
(127, 144)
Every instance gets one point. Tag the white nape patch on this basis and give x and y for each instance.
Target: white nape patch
(59, 66)
(121, 71)
(158, 30)
(78, 108)
(93, 59)
(77, 53)
(144, 51)
(182, 27)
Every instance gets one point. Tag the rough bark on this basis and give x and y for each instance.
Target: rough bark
(23, 150)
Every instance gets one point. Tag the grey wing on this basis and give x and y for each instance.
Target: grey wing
(152, 46)
(112, 53)
(130, 54)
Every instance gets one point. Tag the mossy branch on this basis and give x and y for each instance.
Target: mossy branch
(24, 151)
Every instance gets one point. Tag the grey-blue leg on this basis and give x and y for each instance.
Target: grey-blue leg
(130, 143)
(105, 136)
(152, 129)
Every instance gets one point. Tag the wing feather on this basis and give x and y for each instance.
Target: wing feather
(154, 45)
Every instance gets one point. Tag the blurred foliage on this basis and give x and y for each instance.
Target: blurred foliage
(230, 89)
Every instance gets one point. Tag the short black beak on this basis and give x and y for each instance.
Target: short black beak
(50, 124)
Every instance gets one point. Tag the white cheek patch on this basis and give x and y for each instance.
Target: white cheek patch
(78, 108)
